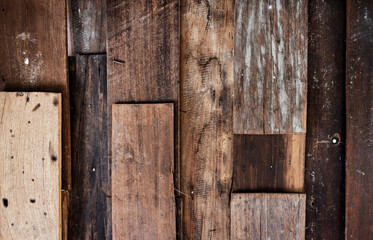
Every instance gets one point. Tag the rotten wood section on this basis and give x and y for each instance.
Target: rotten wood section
(325, 148)
(34, 56)
(30, 165)
(207, 31)
(143, 199)
(265, 216)
(270, 67)
(269, 163)
(359, 123)
(88, 199)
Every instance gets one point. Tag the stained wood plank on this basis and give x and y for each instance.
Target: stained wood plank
(30, 169)
(270, 163)
(142, 173)
(88, 198)
(324, 181)
(270, 67)
(359, 123)
(34, 56)
(207, 30)
(268, 216)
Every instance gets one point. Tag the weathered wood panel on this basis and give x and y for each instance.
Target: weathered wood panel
(30, 165)
(90, 179)
(325, 148)
(268, 216)
(270, 67)
(142, 171)
(270, 163)
(359, 124)
(34, 55)
(207, 30)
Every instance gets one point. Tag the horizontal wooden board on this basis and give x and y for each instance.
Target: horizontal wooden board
(30, 165)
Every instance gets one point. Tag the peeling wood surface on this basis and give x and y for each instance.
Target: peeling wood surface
(264, 216)
(142, 171)
(206, 117)
(270, 67)
(30, 168)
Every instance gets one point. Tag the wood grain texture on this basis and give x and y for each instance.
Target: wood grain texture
(359, 123)
(143, 198)
(268, 216)
(206, 117)
(324, 181)
(270, 67)
(34, 56)
(270, 163)
(88, 199)
(30, 169)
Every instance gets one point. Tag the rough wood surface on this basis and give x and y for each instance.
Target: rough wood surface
(268, 216)
(142, 171)
(34, 55)
(270, 163)
(270, 67)
(30, 165)
(90, 179)
(359, 125)
(206, 116)
(324, 184)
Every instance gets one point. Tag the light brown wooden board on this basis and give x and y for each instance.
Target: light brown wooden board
(206, 117)
(30, 165)
(143, 200)
(34, 56)
(265, 216)
(270, 67)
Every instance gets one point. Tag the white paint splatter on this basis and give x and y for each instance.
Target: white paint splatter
(27, 61)
(26, 36)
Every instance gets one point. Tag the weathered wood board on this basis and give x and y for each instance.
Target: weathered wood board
(270, 57)
(207, 30)
(34, 56)
(359, 120)
(265, 216)
(143, 199)
(270, 163)
(30, 165)
(88, 198)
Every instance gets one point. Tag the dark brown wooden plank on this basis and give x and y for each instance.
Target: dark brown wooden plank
(88, 200)
(359, 123)
(270, 163)
(207, 29)
(270, 67)
(325, 160)
(142, 171)
(268, 216)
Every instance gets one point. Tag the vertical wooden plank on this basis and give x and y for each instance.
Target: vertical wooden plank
(270, 67)
(207, 29)
(268, 216)
(359, 124)
(325, 148)
(88, 200)
(270, 163)
(30, 168)
(142, 173)
(34, 56)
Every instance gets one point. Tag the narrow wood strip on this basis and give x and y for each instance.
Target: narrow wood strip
(30, 165)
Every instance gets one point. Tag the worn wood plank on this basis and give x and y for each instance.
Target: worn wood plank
(29, 53)
(270, 163)
(30, 169)
(206, 117)
(270, 67)
(90, 179)
(142, 173)
(325, 147)
(359, 123)
(268, 216)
